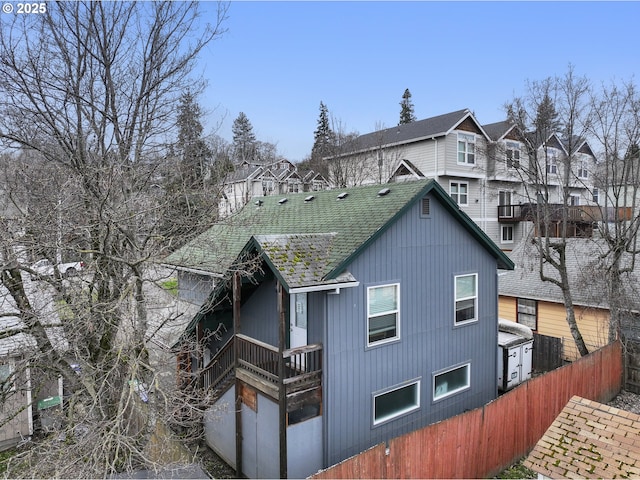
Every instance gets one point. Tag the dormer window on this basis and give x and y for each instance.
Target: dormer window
(466, 148)
(582, 169)
(513, 155)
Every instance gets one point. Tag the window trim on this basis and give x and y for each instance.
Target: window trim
(397, 313)
(502, 230)
(535, 314)
(402, 411)
(458, 194)
(513, 147)
(467, 386)
(466, 138)
(10, 378)
(456, 300)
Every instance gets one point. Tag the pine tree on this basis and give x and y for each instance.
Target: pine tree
(406, 111)
(244, 140)
(194, 154)
(323, 137)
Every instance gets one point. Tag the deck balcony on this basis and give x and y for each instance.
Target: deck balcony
(265, 368)
(526, 212)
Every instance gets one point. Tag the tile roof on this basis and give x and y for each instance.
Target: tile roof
(589, 440)
(352, 221)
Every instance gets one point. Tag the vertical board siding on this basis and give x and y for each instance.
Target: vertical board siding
(423, 255)
(482, 442)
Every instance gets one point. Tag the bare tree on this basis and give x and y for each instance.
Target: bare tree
(88, 91)
(616, 128)
(553, 117)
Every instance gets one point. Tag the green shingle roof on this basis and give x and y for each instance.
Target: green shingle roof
(341, 226)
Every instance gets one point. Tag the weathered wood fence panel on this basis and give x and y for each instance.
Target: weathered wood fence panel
(547, 353)
(632, 365)
(482, 442)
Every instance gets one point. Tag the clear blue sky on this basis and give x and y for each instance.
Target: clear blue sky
(278, 60)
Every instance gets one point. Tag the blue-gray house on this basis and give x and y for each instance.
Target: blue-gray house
(343, 318)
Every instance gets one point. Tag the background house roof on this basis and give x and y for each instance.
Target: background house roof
(589, 440)
(353, 220)
(586, 263)
(409, 132)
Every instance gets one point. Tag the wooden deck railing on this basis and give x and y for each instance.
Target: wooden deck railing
(220, 368)
(575, 213)
(302, 365)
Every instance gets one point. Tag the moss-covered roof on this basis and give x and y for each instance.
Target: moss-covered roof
(346, 223)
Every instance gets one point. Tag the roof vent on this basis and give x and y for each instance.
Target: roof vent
(343, 195)
(282, 201)
(259, 203)
(383, 192)
(309, 198)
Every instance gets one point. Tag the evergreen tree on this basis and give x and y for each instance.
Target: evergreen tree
(546, 121)
(194, 154)
(244, 140)
(406, 111)
(323, 140)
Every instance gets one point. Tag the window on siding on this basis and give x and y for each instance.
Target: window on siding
(451, 381)
(6, 376)
(466, 148)
(583, 172)
(528, 313)
(513, 155)
(506, 235)
(552, 160)
(383, 313)
(459, 191)
(466, 293)
(595, 195)
(396, 402)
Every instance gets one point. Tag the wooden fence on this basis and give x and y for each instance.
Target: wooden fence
(484, 441)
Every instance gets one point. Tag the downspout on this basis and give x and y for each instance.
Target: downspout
(436, 170)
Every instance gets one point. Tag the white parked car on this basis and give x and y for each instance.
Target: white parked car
(45, 267)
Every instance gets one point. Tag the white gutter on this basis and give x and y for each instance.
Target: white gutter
(321, 288)
(192, 270)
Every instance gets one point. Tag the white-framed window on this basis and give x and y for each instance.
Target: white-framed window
(6, 376)
(512, 152)
(383, 313)
(528, 313)
(466, 148)
(583, 172)
(574, 200)
(451, 381)
(459, 191)
(595, 195)
(505, 208)
(395, 402)
(466, 298)
(506, 233)
(552, 160)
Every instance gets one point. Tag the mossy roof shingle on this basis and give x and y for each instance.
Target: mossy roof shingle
(353, 221)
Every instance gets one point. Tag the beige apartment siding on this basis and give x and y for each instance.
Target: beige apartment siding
(422, 155)
(592, 322)
(450, 165)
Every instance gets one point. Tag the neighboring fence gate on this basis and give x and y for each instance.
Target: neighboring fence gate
(547, 353)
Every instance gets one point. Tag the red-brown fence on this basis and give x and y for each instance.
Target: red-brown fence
(484, 441)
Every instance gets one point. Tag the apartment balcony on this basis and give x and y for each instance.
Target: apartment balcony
(263, 367)
(527, 212)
